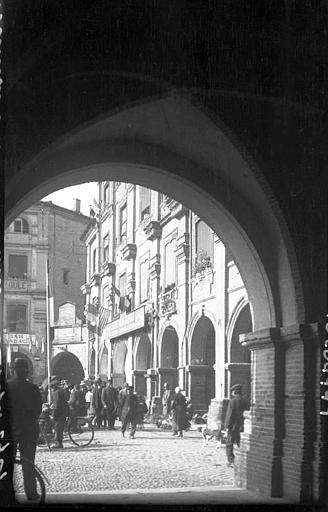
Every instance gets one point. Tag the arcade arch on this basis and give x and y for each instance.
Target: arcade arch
(103, 363)
(119, 356)
(66, 366)
(239, 357)
(142, 358)
(21, 354)
(169, 358)
(202, 360)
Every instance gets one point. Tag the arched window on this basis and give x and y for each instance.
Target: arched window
(21, 226)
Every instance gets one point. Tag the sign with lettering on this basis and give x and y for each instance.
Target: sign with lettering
(18, 284)
(16, 338)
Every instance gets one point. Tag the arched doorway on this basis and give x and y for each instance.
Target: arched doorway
(66, 366)
(119, 356)
(239, 357)
(169, 358)
(103, 363)
(202, 359)
(142, 362)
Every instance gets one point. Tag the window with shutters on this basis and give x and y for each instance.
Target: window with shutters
(144, 280)
(16, 318)
(170, 264)
(123, 224)
(106, 248)
(21, 226)
(144, 202)
(17, 266)
(204, 239)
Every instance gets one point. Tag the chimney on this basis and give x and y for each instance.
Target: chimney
(77, 205)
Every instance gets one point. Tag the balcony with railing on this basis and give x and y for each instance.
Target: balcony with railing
(168, 300)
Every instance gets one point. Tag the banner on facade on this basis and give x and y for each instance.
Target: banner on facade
(15, 338)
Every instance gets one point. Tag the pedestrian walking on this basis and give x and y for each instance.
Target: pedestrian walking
(234, 421)
(179, 406)
(166, 400)
(141, 411)
(76, 406)
(25, 404)
(121, 393)
(60, 412)
(129, 411)
(109, 401)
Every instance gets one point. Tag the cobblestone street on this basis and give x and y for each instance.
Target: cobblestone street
(153, 460)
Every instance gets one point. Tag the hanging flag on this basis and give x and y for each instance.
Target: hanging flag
(124, 303)
(116, 290)
(103, 318)
(92, 317)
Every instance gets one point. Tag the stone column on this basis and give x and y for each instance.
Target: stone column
(258, 461)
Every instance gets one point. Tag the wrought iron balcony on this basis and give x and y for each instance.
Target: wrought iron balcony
(168, 301)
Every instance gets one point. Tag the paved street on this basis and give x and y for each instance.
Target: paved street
(152, 469)
(154, 459)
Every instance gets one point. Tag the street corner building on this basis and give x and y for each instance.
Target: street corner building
(205, 124)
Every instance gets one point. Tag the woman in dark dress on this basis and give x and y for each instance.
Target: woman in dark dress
(179, 407)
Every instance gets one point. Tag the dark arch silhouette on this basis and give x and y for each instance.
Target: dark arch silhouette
(66, 366)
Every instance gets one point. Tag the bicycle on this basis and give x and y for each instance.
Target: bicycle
(80, 432)
(18, 481)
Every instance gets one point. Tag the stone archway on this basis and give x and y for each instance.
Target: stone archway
(142, 362)
(202, 361)
(119, 356)
(103, 363)
(239, 356)
(66, 366)
(169, 358)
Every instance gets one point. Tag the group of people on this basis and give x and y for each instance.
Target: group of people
(178, 407)
(101, 401)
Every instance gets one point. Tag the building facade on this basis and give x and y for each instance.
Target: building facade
(176, 299)
(42, 232)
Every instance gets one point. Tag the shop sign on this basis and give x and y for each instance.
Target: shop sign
(18, 284)
(15, 338)
(324, 383)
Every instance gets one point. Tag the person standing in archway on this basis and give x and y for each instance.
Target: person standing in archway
(166, 400)
(234, 421)
(60, 412)
(96, 405)
(129, 406)
(25, 405)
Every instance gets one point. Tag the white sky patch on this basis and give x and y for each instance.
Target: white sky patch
(86, 192)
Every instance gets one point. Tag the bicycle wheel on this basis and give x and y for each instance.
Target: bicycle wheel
(18, 482)
(82, 433)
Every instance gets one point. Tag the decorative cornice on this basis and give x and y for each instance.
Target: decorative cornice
(86, 289)
(199, 368)
(129, 251)
(182, 248)
(152, 230)
(108, 269)
(264, 338)
(155, 267)
(95, 279)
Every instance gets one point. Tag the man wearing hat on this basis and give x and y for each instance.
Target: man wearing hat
(60, 412)
(234, 421)
(25, 404)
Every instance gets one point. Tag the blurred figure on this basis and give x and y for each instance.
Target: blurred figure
(25, 405)
(121, 394)
(129, 404)
(141, 410)
(166, 400)
(179, 407)
(88, 399)
(234, 421)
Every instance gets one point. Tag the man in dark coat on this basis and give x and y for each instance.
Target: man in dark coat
(25, 403)
(109, 402)
(129, 405)
(60, 412)
(76, 406)
(122, 392)
(96, 402)
(234, 421)
(179, 408)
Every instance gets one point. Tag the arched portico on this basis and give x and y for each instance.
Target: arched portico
(103, 362)
(169, 358)
(201, 382)
(142, 355)
(239, 357)
(196, 163)
(66, 366)
(119, 356)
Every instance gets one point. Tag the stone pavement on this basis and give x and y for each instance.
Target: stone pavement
(153, 468)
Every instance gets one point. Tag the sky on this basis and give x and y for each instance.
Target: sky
(85, 192)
